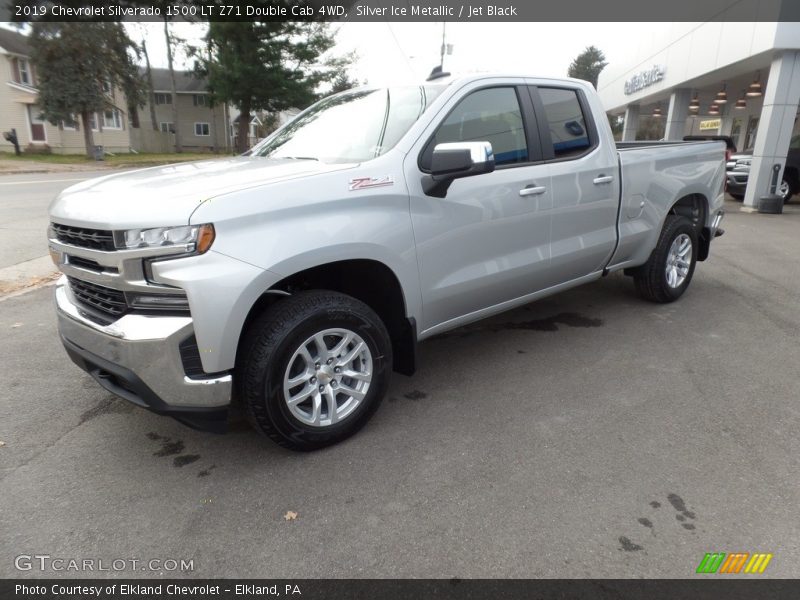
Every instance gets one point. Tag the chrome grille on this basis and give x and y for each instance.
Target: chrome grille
(108, 301)
(84, 263)
(96, 239)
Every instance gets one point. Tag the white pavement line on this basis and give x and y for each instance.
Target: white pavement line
(45, 181)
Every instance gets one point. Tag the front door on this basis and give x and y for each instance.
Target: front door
(488, 240)
(38, 134)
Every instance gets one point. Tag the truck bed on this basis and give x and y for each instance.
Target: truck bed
(653, 176)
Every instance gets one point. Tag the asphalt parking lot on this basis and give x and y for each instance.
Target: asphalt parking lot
(590, 434)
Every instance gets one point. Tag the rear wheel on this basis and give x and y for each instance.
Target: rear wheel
(668, 271)
(313, 369)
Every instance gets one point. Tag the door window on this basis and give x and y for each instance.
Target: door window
(569, 134)
(489, 115)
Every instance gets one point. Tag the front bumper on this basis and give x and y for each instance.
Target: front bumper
(138, 358)
(736, 182)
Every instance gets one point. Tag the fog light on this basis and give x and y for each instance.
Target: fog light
(158, 301)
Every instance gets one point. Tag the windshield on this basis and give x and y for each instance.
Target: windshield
(351, 127)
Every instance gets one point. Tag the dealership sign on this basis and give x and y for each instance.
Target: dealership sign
(710, 124)
(645, 79)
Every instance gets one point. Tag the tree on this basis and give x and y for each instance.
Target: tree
(173, 87)
(268, 66)
(650, 128)
(151, 95)
(342, 82)
(587, 65)
(76, 62)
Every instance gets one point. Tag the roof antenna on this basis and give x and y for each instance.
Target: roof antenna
(437, 73)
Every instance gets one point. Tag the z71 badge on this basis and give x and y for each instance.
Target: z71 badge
(363, 183)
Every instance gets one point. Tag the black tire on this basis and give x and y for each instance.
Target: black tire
(268, 345)
(737, 197)
(791, 186)
(651, 278)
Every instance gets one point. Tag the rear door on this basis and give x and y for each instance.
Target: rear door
(584, 178)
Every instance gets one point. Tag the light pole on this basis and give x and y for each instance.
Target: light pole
(444, 46)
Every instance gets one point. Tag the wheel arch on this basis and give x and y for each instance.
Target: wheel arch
(369, 280)
(696, 207)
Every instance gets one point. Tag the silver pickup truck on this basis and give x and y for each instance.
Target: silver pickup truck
(294, 279)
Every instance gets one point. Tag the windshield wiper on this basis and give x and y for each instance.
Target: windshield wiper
(298, 158)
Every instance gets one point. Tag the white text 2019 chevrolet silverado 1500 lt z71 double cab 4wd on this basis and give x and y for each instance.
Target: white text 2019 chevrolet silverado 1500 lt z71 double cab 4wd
(295, 279)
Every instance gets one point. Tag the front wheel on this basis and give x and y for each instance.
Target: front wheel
(313, 369)
(668, 271)
(785, 190)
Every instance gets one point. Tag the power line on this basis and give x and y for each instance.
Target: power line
(397, 43)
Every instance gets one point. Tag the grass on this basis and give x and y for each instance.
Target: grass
(117, 160)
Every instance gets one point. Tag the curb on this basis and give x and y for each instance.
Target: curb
(26, 275)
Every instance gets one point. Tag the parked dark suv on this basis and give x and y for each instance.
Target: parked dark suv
(738, 170)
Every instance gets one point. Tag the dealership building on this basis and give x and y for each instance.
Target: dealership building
(737, 79)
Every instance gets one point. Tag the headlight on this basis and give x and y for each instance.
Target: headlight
(196, 238)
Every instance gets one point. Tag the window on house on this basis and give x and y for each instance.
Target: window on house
(201, 129)
(106, 87)
(200, 100)
(112, 119)
(162, 98)
(24, 71)
(71, 123)
(166, 127)
(93, 121)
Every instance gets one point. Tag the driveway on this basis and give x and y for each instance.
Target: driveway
(586, 435)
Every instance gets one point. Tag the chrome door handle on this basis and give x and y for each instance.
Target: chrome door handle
(532, 190)
(603, 179)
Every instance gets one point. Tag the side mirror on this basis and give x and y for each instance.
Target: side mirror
(454, 161)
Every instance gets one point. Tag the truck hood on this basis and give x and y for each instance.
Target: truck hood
(167, 195)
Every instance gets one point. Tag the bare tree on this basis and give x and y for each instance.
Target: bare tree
(151, 92)
(174, 89)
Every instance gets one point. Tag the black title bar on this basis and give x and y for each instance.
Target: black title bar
(404, 10)
(710, 588)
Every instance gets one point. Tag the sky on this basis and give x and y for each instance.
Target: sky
(399, 53)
